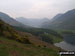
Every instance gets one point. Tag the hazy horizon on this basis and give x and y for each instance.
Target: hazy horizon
(35, 8)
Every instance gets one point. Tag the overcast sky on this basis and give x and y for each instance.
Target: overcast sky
(35, 8)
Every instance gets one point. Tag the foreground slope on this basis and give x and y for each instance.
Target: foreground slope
(13, 48)
(8, 32)
(15, 43)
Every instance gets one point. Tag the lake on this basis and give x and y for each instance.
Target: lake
(66, 46)
(68, 43)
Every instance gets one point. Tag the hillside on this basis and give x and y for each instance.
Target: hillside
(13, 48)
(8, 32)
(9, 20)
(65, 21)
(35, 31)
(15, 43)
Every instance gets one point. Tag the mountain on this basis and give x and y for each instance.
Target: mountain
(32, 22)
(6, 18)
(65, 21)
(19, 27)
(7, 31)
(56, 17)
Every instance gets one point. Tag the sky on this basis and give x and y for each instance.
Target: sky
(35, 8)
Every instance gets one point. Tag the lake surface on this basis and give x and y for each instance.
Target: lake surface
(66, 46)
(68, 43)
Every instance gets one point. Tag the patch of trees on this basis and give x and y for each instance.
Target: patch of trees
(46, 38)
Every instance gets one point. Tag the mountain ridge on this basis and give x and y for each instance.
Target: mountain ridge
(9, 20)
(66, 21)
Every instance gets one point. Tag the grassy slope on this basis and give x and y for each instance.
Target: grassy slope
(13, 48)
(14, 43)
(8, 32)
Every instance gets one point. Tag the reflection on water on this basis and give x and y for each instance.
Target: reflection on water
(66, 46)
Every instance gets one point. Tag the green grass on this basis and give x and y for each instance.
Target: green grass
(60, 31)
(13, 48)
(57, 40)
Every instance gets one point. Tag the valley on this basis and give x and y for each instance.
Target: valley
(21, 41)
(39, 37)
